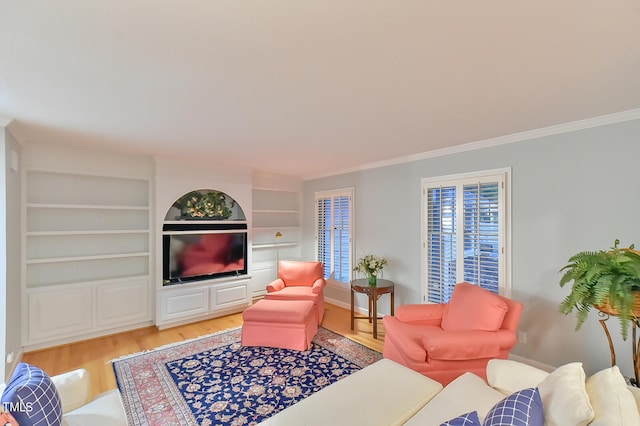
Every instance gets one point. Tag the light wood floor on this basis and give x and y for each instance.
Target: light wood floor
(95, 354)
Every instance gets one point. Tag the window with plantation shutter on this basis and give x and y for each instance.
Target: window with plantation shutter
(464, 227)
(334, 219)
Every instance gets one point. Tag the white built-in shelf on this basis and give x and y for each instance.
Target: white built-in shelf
(82, 227)
(84, 258)
(277, 211)
(276, 228)
(91, 232)
(270, 245)
(84, 206)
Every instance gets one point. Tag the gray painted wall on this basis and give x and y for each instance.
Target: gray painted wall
(570, 192)
(11, 242)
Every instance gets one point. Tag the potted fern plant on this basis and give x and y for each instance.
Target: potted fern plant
(608, 280)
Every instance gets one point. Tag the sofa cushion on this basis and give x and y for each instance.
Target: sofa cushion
(104, 410)
(564, 396)
(510, 376)
(612, 401)
(473, 308)
(356, 399)
(32, 397)
(465, 394)
(73, 388)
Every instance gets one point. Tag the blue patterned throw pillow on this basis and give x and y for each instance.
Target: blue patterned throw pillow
(469, 419)
(32, 397)
(523, 408)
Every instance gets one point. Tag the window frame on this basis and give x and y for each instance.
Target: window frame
(333, 194)
(503, 176)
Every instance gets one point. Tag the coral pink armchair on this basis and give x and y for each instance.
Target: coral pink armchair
(442, 341)
(299, 280)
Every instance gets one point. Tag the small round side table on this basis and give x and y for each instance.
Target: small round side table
(373, 292)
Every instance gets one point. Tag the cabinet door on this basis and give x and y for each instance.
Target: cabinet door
(59, 313)
(225, 296)
(181, 303)
(261, 277)
(123, 302)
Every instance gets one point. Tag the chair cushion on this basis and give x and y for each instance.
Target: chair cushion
(32, 397)
(298, 273)
(279, 311)
(289, 293)
(473, 308)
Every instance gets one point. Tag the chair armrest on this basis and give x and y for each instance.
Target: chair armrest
(319, 285)
(461, 345)
(73, 388)
(425, 314)
(275, 285)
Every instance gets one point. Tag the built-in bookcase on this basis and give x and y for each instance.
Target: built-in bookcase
(275, 210)
(87, 258)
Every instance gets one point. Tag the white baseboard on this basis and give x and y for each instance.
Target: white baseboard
(346, 306)
(11, 367)
(532, 363)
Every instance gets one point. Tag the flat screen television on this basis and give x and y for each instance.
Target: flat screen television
(202, 254)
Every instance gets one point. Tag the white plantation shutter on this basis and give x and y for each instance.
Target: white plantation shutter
(333, 233)
(464, 234)
(441, 242)
(482, 244)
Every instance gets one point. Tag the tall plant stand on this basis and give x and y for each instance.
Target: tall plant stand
(604, 317)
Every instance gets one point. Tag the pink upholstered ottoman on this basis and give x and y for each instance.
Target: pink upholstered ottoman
(288, 324)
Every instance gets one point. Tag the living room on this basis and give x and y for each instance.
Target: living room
(570, 185)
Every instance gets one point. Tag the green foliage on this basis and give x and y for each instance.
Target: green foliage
(206, 204)
(599, 277)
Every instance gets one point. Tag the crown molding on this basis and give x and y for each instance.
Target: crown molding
(572, 126)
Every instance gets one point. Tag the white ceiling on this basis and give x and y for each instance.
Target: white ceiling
(308, 87)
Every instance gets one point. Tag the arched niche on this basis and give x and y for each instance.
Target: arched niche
(205, 204)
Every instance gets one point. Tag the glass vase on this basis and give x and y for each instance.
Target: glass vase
(373, 279)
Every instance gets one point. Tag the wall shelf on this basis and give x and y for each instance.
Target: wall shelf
(277, 211)
(268, 246)
(94, 232)
(82, 258)
(84, 206)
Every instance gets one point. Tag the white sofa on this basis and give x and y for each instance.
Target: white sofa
(104, 410)
(386, 393)
(74, 388)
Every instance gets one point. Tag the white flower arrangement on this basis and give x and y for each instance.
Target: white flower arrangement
(370, 265)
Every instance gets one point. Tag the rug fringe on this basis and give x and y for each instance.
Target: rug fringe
(170, 345)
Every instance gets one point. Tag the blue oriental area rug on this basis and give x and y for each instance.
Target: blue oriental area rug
(214, 380)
